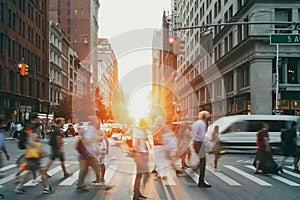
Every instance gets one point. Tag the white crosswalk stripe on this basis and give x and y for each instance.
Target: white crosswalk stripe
(3, 169)
(109, 172)
(50, 172)
(279, 178)
(231, 179)
(71, 180)
(250, 177)
(223, 177)
(291, 173)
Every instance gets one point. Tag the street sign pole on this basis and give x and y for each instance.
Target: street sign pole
(277, 76)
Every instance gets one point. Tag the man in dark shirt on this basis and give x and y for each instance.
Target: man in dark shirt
(263, 146)
(57, 146)
(290, 147)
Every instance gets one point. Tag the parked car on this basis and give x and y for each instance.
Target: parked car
(83, 124)
(239, 132)
(69, 129)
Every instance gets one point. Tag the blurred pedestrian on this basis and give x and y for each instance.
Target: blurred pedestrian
(263, 146)
(34, 153)
(57, 148)
(103, 151)
(88, 149)
(200, 143)
(215, 143)
(184, 139)
(141, 156)
(290, 147)
(2, 139)
(158, 129)
(170, 148)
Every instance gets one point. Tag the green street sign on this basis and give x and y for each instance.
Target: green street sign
(285, 39)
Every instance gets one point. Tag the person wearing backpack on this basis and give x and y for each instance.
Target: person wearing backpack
(290, 147)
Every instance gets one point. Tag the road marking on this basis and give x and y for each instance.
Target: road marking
(170, 180)
(110, 171)
(2, 169)
(50, 172)
(71, 179)
(11, 177)
(251, 177)
(223, 177)
(279, 178)
(291, 173)
(192, 174)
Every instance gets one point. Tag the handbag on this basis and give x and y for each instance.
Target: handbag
(82, 150)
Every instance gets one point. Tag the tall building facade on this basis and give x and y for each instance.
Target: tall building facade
(107, 72)
(232, 69)
(79, 20)
(24, 36)
(64, 65)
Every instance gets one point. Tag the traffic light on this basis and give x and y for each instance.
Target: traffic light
(178, 46)
(20, 67)
(23, 69)
(26, 69)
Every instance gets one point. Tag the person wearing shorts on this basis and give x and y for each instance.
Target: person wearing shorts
(57, 147)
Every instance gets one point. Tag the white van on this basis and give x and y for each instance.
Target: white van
(238, 132)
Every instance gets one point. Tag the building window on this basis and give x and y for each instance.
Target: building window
(85, 40)
(228, 82)
(226, 45)
(283, 15)
(243, 77)
(292, 70)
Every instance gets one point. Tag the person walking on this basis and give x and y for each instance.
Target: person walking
(158, 129)
(184, 139)
(88, 149)
(34, 153)
(290, 147)
(263, 146)
(200, 143)
(56, 143)
(141, 156)
(215, 143)
(170, 149)
(103, 151)
(2, 145)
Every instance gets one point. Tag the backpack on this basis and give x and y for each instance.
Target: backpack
(22, 143)
(285, 136)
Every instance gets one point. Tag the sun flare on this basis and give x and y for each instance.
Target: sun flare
(139, 103)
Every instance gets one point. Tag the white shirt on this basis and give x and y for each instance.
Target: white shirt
(139, 140)
(91, 133)
(199, 131)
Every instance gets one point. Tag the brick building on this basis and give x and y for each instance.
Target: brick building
(24, 38)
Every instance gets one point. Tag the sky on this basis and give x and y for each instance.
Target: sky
(129, 25)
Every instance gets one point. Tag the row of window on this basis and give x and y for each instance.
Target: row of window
(26, 86)
(16, 51)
